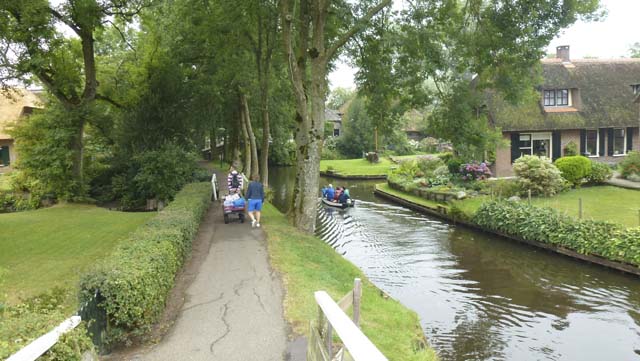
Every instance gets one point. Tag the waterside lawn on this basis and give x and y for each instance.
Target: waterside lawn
(357, 167)
(50, 247)
(307, 264)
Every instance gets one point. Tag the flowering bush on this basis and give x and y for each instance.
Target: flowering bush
(539, 175)
(475, 171)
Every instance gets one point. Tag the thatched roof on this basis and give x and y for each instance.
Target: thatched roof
(602, 94)
(332, 115)
(20, 102)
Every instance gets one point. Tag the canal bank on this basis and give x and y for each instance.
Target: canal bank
(478, 296)
(441, 211)
(307, 264)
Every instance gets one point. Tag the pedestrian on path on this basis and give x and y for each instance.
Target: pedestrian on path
(234, 180)
(255, 195)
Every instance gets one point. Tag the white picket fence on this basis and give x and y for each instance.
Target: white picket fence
(332, 316)
(42, 344)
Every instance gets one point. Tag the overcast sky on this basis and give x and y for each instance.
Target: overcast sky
(610, 38)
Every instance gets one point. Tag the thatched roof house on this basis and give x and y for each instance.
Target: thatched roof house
(590, 102)
(19, 103)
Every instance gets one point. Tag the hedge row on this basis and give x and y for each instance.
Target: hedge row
(136, 279)
(547, 225)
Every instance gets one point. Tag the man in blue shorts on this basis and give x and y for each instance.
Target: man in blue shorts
(255, 195)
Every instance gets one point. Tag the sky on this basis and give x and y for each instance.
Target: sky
(610, 38)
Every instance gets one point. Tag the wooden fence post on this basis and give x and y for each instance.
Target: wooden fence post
(357, 297)
(580, 208)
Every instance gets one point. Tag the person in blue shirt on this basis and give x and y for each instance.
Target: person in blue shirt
(330, 192)
(255, 196)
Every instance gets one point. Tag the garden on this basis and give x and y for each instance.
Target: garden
(563, 203)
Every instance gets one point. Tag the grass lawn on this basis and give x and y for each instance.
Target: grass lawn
(410, 197)
(355, 167)
(604, 203)
(307, 264)
(50, 247)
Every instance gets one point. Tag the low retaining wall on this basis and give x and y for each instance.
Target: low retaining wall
(354, 177)
(627, 268)
(426, 194)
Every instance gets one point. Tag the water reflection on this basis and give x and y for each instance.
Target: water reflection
(485, 298)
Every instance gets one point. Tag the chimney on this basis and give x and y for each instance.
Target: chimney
(562, 52)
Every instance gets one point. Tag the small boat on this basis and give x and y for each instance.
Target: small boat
(350, 203)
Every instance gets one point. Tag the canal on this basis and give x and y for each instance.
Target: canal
(481, 297)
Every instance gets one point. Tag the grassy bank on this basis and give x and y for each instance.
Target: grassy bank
(307, 265)
(49, 247)
(357, 167)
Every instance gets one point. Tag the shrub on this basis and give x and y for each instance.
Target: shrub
(21, 324)
(454, 165)
(574, 169)
(474, 171)
(408, 168)
(630, 164)
(547, 225)
(504, 188)
(600, 173)
(539, 175)
(441, 176)
(136, 279)
(570, 149)
(446, 157)
(428, 164)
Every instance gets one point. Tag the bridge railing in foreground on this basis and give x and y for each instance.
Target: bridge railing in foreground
(332, 317)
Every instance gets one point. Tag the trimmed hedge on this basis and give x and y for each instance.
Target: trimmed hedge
(574, 168)
(547, 225)
(136, 279)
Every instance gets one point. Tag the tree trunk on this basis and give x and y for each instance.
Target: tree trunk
(77, 146)
(253, 149)
(235, 147)
(266, 134)
(245, 138)
(214, 148)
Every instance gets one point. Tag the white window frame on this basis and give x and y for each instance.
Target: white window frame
(586, 137)
(624, 142)
(635, 88)
(536, 136)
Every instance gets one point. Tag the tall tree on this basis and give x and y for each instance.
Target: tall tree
(33, 43)
(310, 45)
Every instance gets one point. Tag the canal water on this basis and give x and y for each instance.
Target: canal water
(481, 297)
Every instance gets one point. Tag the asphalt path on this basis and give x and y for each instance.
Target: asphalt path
(233, 307)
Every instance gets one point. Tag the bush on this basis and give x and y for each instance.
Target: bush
(428, 164)
(454, 165)
(23, 323)
(474, 171)
(571, 149)
(630, 165)
(574, 169)
(600, 173)
(547, 225)
(446, 157)
(539, 175)
(504, 188)
(136, 279)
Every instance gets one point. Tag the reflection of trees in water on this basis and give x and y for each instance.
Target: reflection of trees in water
(474, 340)
(539, 281)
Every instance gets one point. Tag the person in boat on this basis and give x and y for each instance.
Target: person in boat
(337, 194)
(329, 192)
(344, 196)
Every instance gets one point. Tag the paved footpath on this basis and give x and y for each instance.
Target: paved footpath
(233, 308)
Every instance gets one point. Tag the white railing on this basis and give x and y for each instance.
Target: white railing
(332, 316)
(214, 185)
(42, 344)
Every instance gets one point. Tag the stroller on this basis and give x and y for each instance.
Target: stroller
(232, 204)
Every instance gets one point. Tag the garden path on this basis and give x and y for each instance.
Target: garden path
(233, 307)
(621, 182)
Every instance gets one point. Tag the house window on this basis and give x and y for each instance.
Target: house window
(336, 132)
(593, 142)
(535, 144)
(619, 141)
(635, 88)
(549, 98)
(556, 98)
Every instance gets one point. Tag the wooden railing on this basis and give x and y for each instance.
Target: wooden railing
(331, 316)
(42, 344)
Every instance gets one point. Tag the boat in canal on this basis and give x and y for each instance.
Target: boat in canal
(350, 203)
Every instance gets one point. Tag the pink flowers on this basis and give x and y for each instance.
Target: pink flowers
(475, 171)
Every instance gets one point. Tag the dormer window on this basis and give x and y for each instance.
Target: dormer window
(556, 98)
(636, 88)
